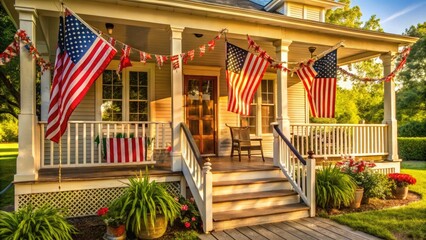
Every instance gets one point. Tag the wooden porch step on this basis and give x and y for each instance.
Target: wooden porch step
(248, 181)
(259, 199)
(255, 195)
(247, 174)
(257, 216)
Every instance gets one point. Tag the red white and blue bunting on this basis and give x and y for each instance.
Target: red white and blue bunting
(13, 50)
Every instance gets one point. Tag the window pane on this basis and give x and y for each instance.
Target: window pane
(117, 92)
(143, 93)
(267, 118)
(107, 77)
(107, 92)
(133, 78)
(133, 93)
(143, 78)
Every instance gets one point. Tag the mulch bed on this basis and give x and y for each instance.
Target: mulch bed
(93, 228)
(377, 204)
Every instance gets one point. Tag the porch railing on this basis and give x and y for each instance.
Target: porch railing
(299, 172)
(334, 140)
(198, 176)
(82, 144)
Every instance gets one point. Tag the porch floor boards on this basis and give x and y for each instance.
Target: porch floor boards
(301, 229)
(219, 164)
(230, 164)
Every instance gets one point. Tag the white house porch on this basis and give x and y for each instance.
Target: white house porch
(170, 28)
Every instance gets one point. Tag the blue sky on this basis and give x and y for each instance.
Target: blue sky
(395, 15)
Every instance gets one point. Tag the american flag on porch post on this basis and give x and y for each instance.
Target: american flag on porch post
(324, 85)
(81, 57)
(244, 72)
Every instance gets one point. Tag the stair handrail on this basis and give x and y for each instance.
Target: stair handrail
(301, 177)
(198, 176)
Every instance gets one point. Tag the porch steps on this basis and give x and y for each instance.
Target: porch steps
(252, 197)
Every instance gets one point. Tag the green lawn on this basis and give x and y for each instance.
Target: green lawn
(406, 222)
(8, 153)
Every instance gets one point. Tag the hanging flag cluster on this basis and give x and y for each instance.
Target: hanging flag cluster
(161, 59)
(244, 72)
(13, 50)
(78, 64)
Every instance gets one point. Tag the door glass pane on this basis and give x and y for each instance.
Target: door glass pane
(207, 127)
(194, 127)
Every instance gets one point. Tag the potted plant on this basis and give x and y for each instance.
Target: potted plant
(35, 223)
(114, 220)
(368, 182)
(333, 188)
(148, 207)
(358, 171)
(401, 182)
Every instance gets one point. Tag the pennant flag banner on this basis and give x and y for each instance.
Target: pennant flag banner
(244, 72)
(324, 85)
(125, 59)
(78, 64)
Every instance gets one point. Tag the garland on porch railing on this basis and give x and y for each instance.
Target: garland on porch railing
(13, 50)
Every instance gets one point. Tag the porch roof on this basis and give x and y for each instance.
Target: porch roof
(195, 16)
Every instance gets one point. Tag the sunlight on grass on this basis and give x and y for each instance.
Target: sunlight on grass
(8, 154)
(395, 223)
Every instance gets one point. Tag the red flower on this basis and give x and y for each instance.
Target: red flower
(169, 149)
(193, 219)
(184, 207)
(187, 224)
(102, 211)
(401, 179)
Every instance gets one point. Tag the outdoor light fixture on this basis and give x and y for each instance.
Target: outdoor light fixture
(198, 35)
(109, 27)
(312, 50)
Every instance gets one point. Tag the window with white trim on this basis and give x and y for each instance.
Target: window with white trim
(124, 97)
(262, 112)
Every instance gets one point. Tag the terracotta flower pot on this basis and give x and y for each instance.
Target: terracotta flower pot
(153, 231)
(115, 233)
(356, 203)
(400, 192)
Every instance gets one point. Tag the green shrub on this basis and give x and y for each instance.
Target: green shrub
(9, 131)
(333, 188)
(35, 223)
(412, 129)
(412, 148)
(376, 185)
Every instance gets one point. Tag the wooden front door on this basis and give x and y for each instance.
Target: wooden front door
(200, 113)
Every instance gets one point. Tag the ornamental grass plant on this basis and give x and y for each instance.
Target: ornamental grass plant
(333, 188)
(144, 200)
(35, 223)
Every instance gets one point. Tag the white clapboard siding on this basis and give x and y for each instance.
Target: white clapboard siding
(297, 110)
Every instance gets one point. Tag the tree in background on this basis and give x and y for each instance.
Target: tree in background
(411, 97)
(9, 84)
(364, 101)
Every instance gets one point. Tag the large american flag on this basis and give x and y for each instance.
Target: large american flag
(324, 85)
(81, 56)
(244, 72)
(306, 74)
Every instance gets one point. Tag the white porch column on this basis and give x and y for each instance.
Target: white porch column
(282, 48)
(45, 92)
(27, 162)
(177, 99)
(390, 109)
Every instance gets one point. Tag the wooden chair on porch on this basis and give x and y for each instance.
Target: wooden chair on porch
(241, 141)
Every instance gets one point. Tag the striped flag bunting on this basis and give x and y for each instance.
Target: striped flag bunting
(125, 150)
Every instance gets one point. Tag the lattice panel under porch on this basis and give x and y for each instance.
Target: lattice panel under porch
(82, 202)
